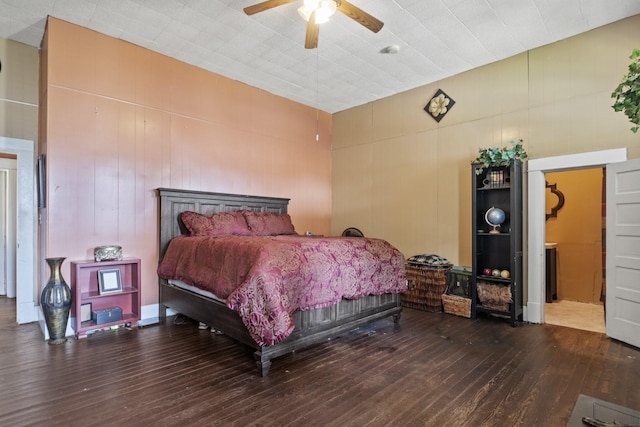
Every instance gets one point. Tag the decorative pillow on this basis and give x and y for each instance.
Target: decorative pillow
(219, 224)
(429, 259)
(269, 224)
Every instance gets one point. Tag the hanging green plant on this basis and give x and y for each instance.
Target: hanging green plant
(627, 94)
(500, 156)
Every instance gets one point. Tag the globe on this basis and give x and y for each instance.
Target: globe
(494, 217)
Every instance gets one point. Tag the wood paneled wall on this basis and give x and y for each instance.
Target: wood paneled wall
(122, 121)
(400, 175)
(18, 90)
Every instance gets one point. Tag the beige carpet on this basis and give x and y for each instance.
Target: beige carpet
(577, 315)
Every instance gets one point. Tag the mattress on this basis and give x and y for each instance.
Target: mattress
(195, 290)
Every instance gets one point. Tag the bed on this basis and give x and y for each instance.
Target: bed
(309, 326)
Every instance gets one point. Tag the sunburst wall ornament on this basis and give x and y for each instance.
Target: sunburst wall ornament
(439, 105)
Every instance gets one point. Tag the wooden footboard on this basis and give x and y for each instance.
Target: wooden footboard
(312, 326)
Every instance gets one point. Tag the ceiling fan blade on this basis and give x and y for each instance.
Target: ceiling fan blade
(313, 31)
(360, 16)
(265, 5)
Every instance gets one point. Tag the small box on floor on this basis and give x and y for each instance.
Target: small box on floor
(107, 315)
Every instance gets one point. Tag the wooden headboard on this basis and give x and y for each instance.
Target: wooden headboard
(173, 202)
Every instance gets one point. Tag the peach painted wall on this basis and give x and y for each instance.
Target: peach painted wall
(122, 121)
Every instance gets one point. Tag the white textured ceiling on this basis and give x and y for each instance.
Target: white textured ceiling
(437, 38)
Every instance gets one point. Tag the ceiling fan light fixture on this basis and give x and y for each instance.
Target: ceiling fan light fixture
(307, 8)
(315, 12)
(327, 8)
(323, 8)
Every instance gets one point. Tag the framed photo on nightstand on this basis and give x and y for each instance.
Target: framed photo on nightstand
(85, 312)
(109, 281)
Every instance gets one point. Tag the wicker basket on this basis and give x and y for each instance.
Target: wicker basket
(494, 297)
(460, 306)
(426, 284)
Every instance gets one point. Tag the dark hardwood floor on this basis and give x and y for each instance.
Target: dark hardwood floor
(431, 369)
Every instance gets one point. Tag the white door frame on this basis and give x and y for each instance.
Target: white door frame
(536, 169)
(26, 227)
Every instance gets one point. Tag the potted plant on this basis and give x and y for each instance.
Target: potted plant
(627, 94)
(500, 156)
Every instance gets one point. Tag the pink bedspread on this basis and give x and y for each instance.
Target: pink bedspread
(267, 279)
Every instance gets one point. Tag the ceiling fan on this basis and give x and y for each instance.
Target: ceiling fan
(316, 12)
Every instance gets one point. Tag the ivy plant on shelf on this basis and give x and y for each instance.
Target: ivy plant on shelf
(627, 94)
(495, 156)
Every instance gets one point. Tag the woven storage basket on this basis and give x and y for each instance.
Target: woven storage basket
(495, 297)
(460, 306)
(426, 284)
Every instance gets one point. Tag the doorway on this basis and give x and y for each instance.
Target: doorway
(8, 225)
(26, 227)
(574, 249)
(536, 170)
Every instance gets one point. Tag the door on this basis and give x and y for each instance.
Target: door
(26, 227)
(3, 233)
(8, 226)
(623, 252)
